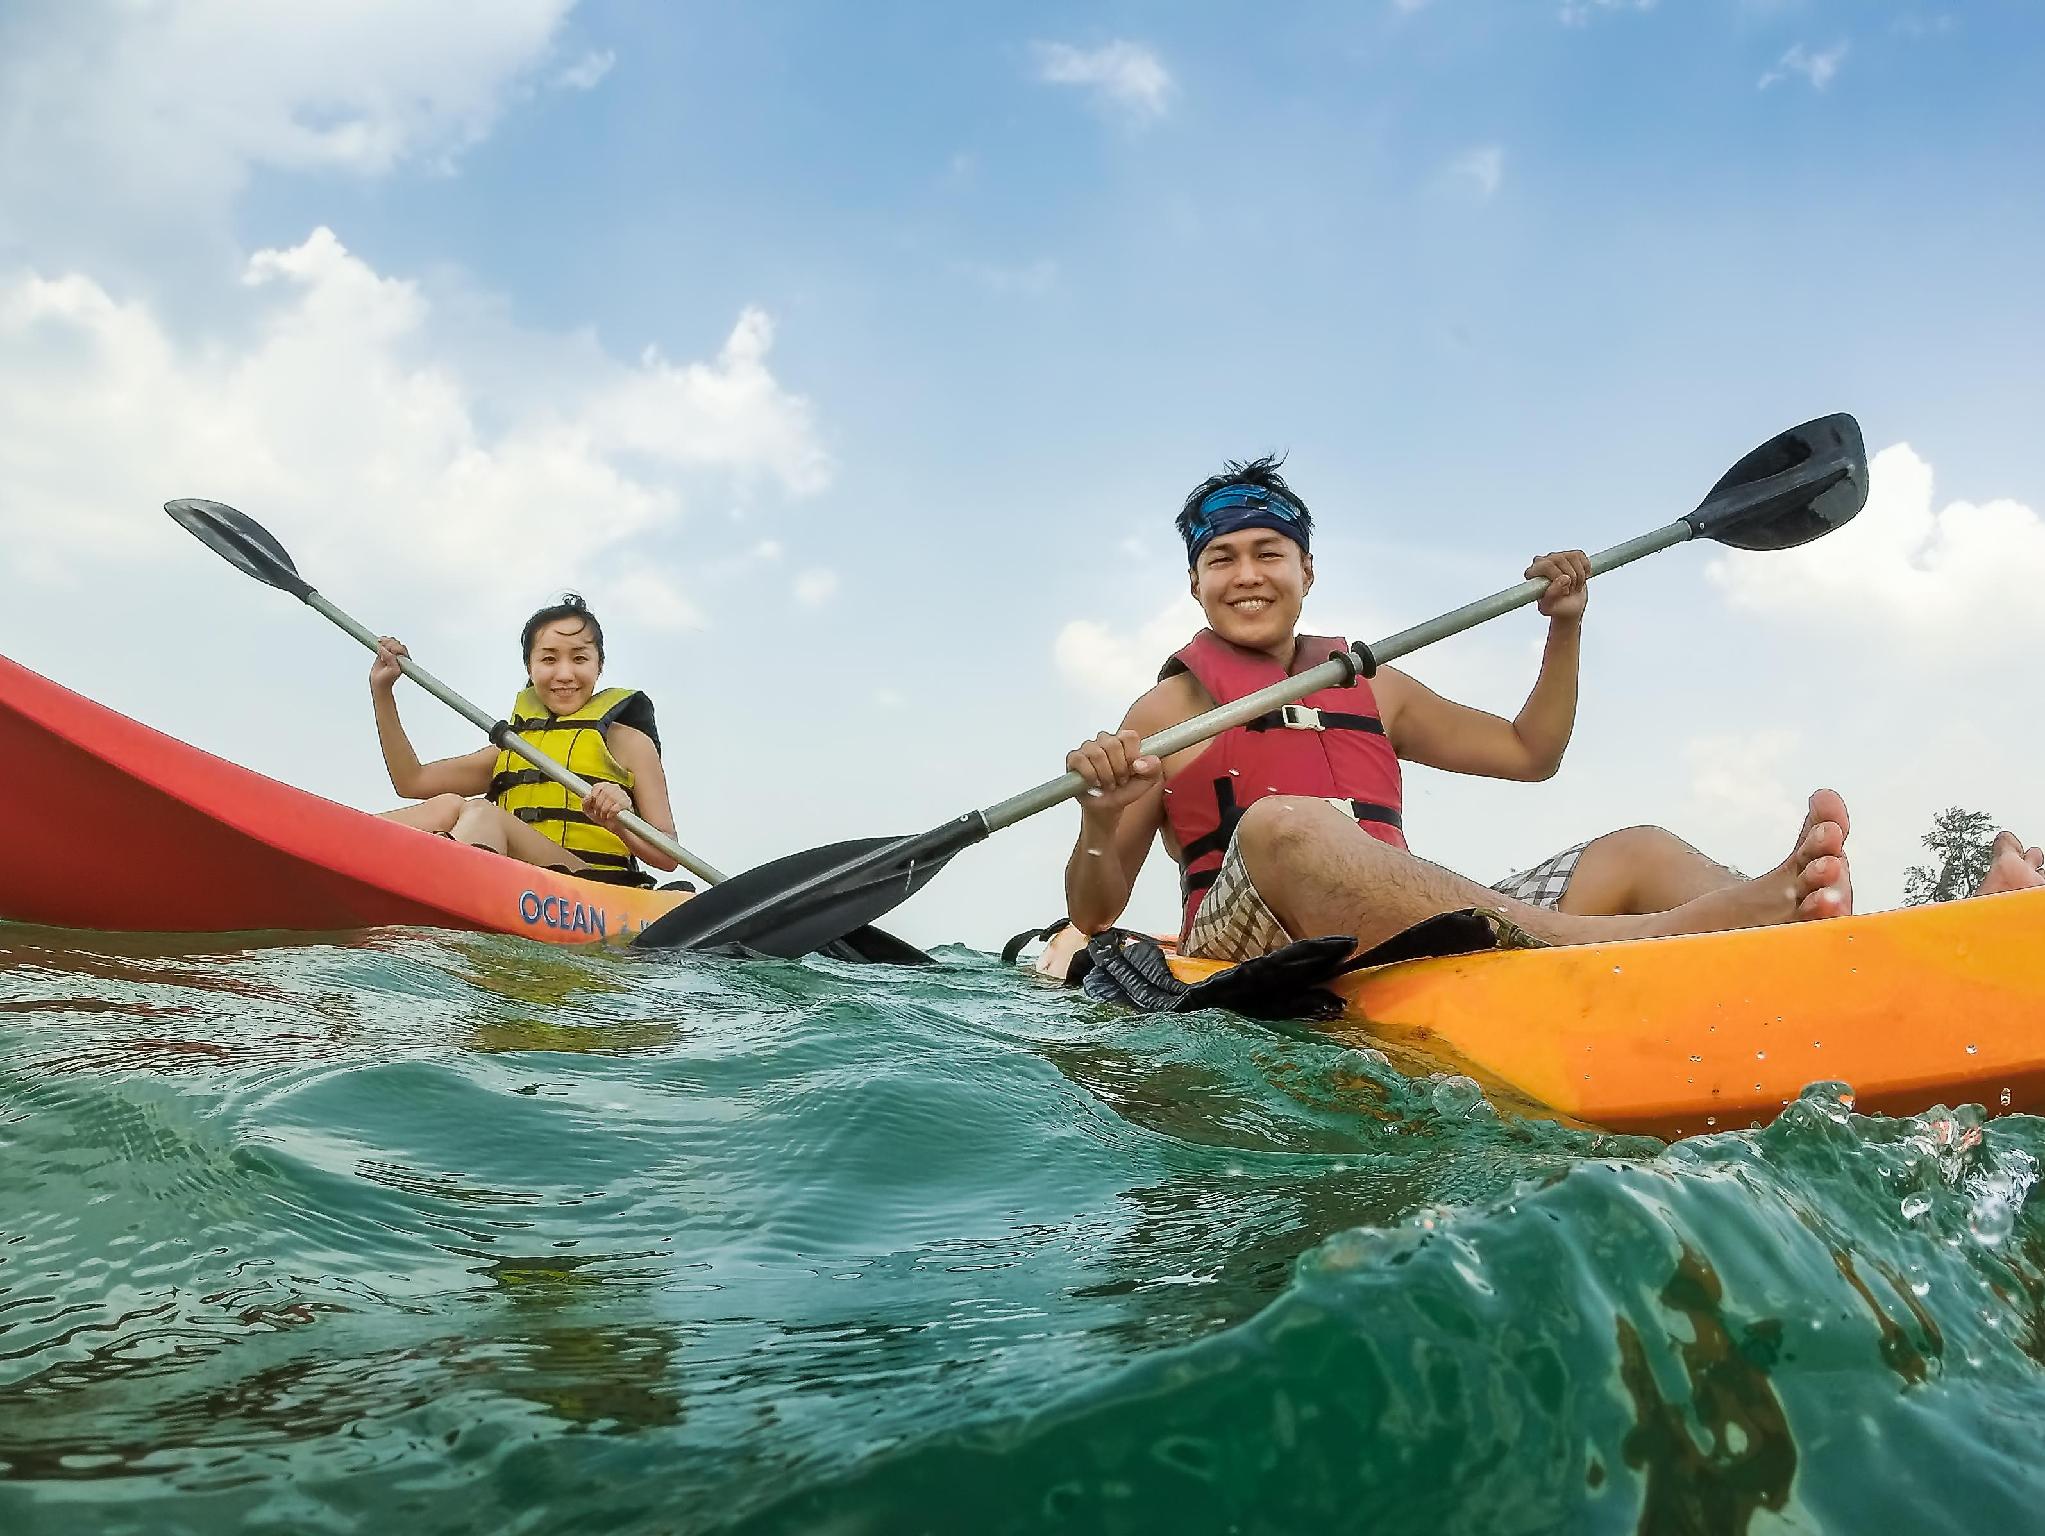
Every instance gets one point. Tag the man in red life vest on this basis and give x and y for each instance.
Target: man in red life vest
(1290, 827)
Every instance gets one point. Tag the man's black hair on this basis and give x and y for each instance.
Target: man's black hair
(571, 606)
(1262, 473)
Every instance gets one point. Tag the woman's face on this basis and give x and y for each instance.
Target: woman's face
(563, 666)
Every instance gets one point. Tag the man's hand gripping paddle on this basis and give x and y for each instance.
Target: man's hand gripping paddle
(249, 547)
(1795, 487)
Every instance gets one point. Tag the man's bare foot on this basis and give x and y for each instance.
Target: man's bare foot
(2012, 866)
(1058, 955)
(1814, 881)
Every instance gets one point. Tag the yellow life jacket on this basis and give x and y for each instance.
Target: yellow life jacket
(576, 742)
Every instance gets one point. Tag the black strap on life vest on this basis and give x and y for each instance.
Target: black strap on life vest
(1331, 720)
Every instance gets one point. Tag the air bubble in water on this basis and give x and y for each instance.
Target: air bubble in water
(1971, 1049)
(1990, 1220)
(1915, 1205)
(1456, 1096)
(2005, 1098)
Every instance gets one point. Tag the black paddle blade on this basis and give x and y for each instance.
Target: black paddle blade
(241, 541)
(807, 900)
(1795, 487)
(875, 946)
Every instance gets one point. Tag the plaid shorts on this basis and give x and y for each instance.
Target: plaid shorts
(1234, 922)
(1543, 885)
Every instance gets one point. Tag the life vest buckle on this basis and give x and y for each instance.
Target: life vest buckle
(1298, 717)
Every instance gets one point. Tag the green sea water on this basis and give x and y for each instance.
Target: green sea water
(406, 1232)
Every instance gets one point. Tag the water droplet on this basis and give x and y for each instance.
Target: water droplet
(1915, 1205)
(1711, 1119)
(1615, 970)
(1695, 1057)
(1972, 1049)
(1990, 1220)
(1455, 1096)
(1760, 1055)
(2005, 1098)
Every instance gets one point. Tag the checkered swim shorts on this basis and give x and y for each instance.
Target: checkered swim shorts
(1235, 923)
(1543, 885)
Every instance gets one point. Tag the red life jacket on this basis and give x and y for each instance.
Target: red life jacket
(1331, 745)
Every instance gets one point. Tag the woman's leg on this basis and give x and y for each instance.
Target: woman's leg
(436, 815)
(484, 825)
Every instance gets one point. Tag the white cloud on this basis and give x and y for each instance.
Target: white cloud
(730, 412)
(813, 588)
(1818, 68)
(1737, 786)
(586, 71)
(1482, 167)
(1578, 13)
(1123, 74)
(164, 109)
(1905, 576)
(1118, 665)
(648, 598)
(347, 423)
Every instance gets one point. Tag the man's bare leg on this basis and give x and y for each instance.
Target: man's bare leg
(1640, 869)
(2012, 867)
(1321, 873)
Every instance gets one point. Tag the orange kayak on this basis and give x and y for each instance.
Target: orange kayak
(169, 839)
(1675, 1037)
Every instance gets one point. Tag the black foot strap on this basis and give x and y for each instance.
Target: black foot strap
(1012, 950)
(1130, 968)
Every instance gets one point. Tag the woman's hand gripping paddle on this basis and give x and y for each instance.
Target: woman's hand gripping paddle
(249, 547)
(1795, 487)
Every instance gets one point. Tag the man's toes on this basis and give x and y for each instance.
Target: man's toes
(1824, 888)
(1830, 805)
(1822, 839)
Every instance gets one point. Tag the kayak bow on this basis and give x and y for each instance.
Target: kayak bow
(176, 840)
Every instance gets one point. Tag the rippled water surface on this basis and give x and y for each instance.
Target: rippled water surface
(413, 1232)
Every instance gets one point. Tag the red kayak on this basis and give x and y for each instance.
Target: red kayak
(169, 839)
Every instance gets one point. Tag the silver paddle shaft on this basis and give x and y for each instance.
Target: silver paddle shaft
(1337, 673)
(512, 741)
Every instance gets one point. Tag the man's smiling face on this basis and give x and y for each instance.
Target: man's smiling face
(1250, 585)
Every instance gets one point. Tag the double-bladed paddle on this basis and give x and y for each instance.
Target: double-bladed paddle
(248, 546)
(1795, 487)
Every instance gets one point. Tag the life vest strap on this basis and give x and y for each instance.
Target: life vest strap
(513, 778)
(1299, 717)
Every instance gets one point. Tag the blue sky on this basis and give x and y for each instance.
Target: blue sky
(853, 360)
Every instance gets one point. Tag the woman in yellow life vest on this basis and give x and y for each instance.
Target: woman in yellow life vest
(495, 799)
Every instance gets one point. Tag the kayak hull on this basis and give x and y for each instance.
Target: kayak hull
(165, 838)
(1926, 1005)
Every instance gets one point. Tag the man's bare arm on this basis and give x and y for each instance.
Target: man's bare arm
(1424, 727)
(1118, 823)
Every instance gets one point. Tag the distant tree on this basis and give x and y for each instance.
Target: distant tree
(1959, 842)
